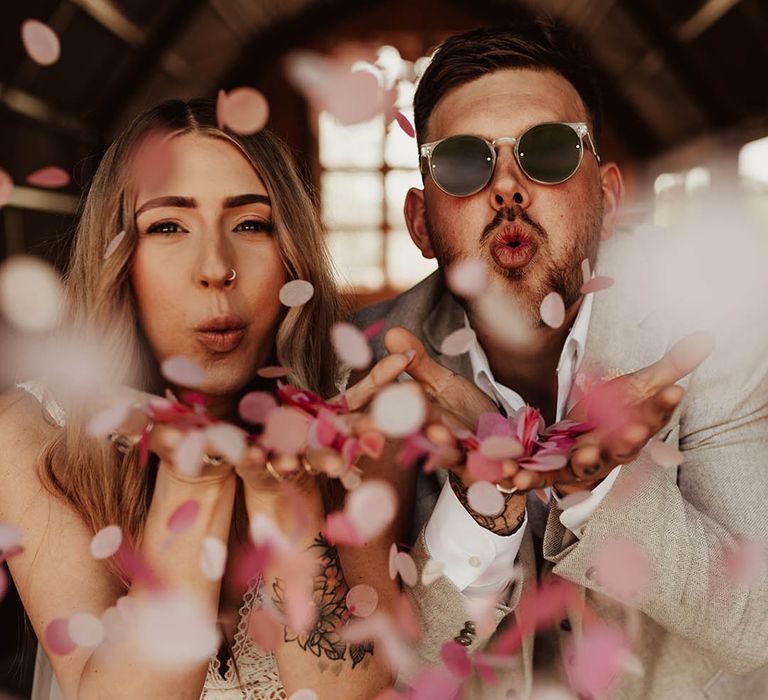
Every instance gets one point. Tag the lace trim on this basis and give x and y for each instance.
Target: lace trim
(258, 669)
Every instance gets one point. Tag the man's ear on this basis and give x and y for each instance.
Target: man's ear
(612, 188)
(416, 220)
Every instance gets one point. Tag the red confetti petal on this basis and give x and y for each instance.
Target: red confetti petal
(362, 600)
(183, 517)
(256, 406)
(51, 177)
(553, 310)
(57, 636)
(372, 331)
(40, 42)
(244, 110)
(404, 123)
(6, 187)
(456, 659)
(484, 498)
(113, 245)
(296, 293)
(273, 372)
(339, 529)
(596, 284)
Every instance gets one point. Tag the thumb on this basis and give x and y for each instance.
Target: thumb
(422, 367)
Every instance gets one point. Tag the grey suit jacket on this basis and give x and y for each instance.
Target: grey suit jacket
(700, 634)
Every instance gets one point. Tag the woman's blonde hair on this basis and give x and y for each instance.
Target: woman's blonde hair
(104, 486)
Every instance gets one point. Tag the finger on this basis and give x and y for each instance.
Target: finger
(625, 444)
(681, 359)
(585, 462)
(422, 368)
(383, 372)
(525, 480)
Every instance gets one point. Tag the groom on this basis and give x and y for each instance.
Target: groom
(508, 124)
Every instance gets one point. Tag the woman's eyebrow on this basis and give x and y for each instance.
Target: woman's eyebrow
(182, 202)
(243, 199)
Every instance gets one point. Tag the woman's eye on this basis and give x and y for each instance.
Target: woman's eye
(254, 225)
(165, 227)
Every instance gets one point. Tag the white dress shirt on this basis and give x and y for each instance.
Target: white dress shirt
(477, 561)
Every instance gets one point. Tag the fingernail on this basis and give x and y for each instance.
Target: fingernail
(593, 469)
(410, 354)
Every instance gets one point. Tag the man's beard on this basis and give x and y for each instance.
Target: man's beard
(544, 274)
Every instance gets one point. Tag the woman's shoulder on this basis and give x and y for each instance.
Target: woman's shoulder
(25, 428)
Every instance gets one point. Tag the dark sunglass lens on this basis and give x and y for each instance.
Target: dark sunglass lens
(462, 165)
(550, 152)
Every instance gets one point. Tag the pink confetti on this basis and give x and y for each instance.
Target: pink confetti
(371, 507)
(399, 409)
(339, 529)
(541, 462)
(304, 694)
(501, 447)
(104, 422)
(182, 371)
(431, 571)
(40, 41)
(553, 310)
(406, 567)
(374, 329)
(296, 293)
(51, 177)
(596, 284)
(746, 562)
(392, 560)
(595, 659)
(285, 432)
(351, 346)
(404, 123)
(664, 454)
(213, 558)
(468, 278)
(484, 498)
(264, 630)
(362, 600)
(6, 187)
(256, 406)
(456, 659)
(481, 468)
(10, 536)
(57, 636)
(188, 453)
(435, 683)
(458, 342)
(372, 444)
(31, 294)
(227, 441)
(484, 669)
(113, 245)
(623, 569)
(183, 517)
(106, 542)
(273, 372)
(85, 630)
(586, 272)
(244, 110)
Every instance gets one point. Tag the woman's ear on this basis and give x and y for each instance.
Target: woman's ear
(612, 188)
(416, 220)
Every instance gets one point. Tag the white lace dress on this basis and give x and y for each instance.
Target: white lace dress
(259, 679)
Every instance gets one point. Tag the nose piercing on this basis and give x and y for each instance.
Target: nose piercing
(231, 278)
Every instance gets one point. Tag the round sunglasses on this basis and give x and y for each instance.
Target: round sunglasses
(547, 153)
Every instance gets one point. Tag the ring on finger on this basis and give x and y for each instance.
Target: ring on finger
(213, 460)
(308, 468)
(276, 475)
(507, 491)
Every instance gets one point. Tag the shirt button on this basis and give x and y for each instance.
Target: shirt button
(463, 640)
(475, 561)
(591, 573)
(565, 624)
(470, 627)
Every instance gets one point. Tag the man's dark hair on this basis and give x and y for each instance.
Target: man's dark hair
(534, 43)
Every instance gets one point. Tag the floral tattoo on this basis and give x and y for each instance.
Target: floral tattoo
(330, 594)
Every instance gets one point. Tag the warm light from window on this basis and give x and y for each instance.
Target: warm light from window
(753, 162)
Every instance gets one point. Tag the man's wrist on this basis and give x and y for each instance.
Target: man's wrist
(509, 521)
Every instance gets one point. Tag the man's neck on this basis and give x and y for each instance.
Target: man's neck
(529, 369)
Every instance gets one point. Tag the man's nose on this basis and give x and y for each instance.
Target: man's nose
(509, 186)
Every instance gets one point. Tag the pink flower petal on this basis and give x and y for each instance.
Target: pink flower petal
(665, 455)
(468, 278)
(244, 110)
(406, 567)
(596, 284)
(182, 371)
(501, 447)
(31, 294)
(483, 469)
(106, 542)
(273, 372)
(492, 424)
(623, 569)
(484, 498)
(51, 177)
(187, 455)
(40, 42)
(456, 659)
(113, 245)
(85, 630)
(265, 632)
(403, 123)
(6, 187)
(372, 444)
(399, 409)
(184, 517)
(296, 293)
(595, 659)
(362, 600)
(371, 507)
(57, 636)
(351, 346)
(213, 558)
(553, 310)
(256, 406)
(339, 529)
(374, 329)
(458, 342)
(484, 669)
(545, 463)
(10, 536)
(285, 431)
